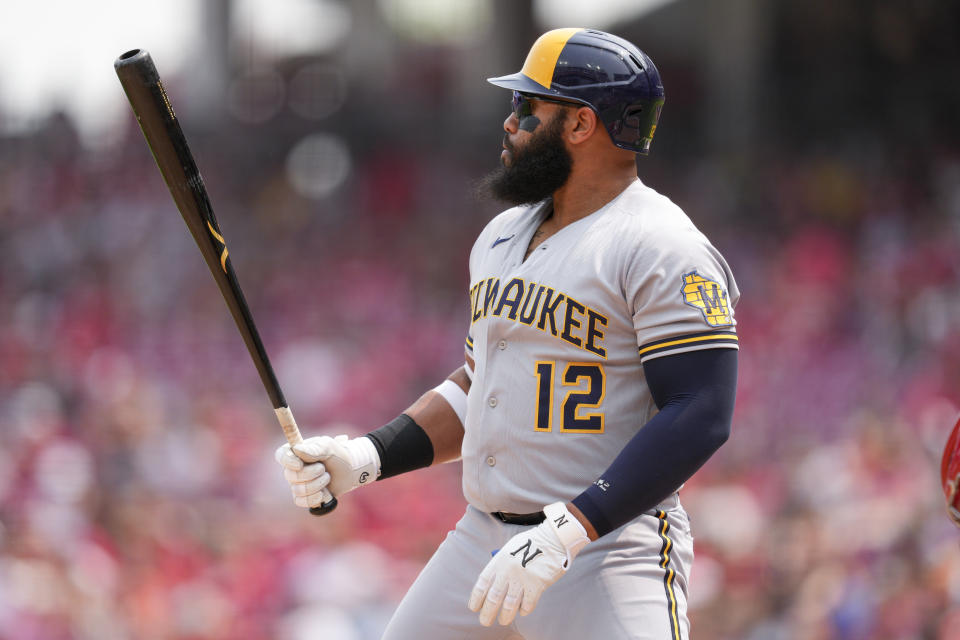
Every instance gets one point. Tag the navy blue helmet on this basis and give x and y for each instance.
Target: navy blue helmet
(602, 71)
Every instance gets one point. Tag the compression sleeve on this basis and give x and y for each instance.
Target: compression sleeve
(695, 393)
(403, 446)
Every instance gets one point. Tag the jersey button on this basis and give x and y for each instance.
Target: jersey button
(492, 402)
(491, 461)
(502, 345)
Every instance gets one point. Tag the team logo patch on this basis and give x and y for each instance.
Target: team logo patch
(707, 296)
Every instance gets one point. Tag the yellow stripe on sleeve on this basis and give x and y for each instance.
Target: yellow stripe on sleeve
(726, 337)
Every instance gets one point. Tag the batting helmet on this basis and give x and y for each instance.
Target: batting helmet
(950, 473)
(606, 73)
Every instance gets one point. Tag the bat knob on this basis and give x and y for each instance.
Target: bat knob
(324, 508)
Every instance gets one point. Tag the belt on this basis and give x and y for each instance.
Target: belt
(528, 519)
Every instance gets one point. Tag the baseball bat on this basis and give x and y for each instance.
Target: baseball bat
(160, 127)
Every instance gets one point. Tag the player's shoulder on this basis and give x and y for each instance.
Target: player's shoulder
(645, 206)
(647, 217)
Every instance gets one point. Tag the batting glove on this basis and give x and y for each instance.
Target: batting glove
(530, 562)
(321, 466)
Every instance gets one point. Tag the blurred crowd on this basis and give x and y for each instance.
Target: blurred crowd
(138, 493)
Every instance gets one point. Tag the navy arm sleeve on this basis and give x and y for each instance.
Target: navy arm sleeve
(695, 393)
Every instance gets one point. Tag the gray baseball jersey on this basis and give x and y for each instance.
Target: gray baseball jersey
(559, 340)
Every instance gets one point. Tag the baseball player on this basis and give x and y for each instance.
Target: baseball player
(600, 374)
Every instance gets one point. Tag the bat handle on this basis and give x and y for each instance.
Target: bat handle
(292, 433)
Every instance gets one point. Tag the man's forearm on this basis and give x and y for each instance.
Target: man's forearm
(439, 421)
(695, 392)
(428, 432)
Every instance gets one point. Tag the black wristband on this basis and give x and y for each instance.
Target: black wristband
(403, 446)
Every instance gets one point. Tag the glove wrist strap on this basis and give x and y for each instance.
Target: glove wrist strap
(366, 459)
(567, 528)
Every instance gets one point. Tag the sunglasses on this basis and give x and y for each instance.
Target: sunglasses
(523, 107)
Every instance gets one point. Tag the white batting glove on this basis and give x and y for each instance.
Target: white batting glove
(530, 562)
(321, 466)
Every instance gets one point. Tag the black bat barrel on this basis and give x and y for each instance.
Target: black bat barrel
(160, 126)
(158, 121)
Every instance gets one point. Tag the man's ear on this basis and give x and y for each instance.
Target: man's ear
(583, 124)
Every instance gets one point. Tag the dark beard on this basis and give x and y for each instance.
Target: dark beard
(539, 169)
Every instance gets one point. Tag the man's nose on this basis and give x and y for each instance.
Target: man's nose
(511, 123)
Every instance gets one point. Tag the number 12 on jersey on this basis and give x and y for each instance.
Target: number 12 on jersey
(576, 402)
